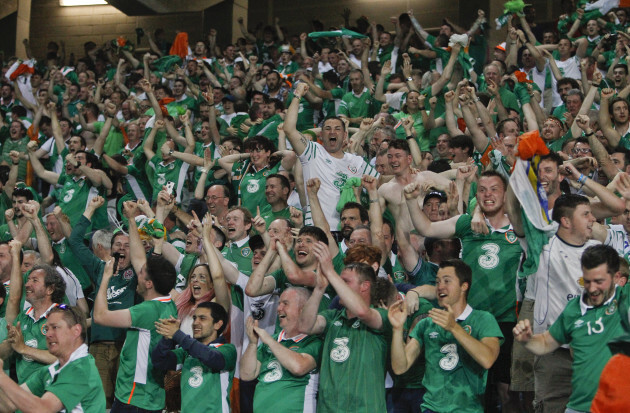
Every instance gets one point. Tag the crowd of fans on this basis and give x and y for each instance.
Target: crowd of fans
(371, 218)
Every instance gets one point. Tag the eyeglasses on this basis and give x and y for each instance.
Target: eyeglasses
(213, 198)
(581, 150)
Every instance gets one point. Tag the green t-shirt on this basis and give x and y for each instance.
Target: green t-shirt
(73, 196)
(412, 378)
(205, 390)
(77, 384)
(34, 332)
(121, 289)
(239, 255)
(350, 346)
(587, 330)
(20, 146)
(137, 184)
(494, 260)
(361, 106)
(249, 184)
(68, 259)
(269, 216)
(278, 390)
(163, 173)
(305, 113)
(267, 128)
(329, 106)
(454, 381)
(137, 383)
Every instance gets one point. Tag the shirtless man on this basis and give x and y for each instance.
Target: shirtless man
(391, 193)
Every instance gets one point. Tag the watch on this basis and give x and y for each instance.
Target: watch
(409, 79)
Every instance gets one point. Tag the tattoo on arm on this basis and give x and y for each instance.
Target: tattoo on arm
(303, 139)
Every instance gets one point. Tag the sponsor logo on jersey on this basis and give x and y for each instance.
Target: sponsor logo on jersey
(246, 251)
(337, 323)
(433, 334)
(578, 323)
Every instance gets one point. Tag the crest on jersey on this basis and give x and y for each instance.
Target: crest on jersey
(246, 251)
(467, 329)
(510, 236)
(612, 308)
(356, 324)
(352, 169)
(128, 274)
(253, 186)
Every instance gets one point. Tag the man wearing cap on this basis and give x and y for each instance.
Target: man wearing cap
(286, 66)
(499, 52)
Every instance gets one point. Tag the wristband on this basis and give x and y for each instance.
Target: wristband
(582, 179)
(203, 170)
(589, 134)
(410, 79)
(373, 201)
(413, 291)
(409, 137)
(422, 108)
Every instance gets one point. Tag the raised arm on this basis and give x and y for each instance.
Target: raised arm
(605, 123)
(422, 224)
(317, 214)
(298, 141)
(402, 355)
(351, 299)
(39, 169)
(147, 146)
(221, 289)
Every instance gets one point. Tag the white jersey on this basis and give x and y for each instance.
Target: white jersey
(263, 308)
(568, 68)
(556, 281)
(333, 174)
(618, 239)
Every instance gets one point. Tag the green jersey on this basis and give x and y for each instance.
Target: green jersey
(494, 260)
(250, 184)
(240, 254)
(137, 383)
(267, 128)
(68, 259)
(77, 384)
(329, 106)
(19, 146)
(174, 172)
(348, 345)
(358, 106)
(588, 330)
(205, 390)
(73, 196)
(305, 113)
(34, 332)
(121, 289)
(422, 137)
(424, 273)
(455, 382)
(412, 378)
(136, 183)
(269, 216)
(278, 390)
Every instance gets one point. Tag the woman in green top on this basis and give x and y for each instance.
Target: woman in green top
(248, 171)
(414, 107)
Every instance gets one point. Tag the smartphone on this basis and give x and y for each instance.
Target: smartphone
(169, 187)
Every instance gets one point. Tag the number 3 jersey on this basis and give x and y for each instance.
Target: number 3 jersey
(494, 260)
(278, 390)
(352, 376)
(449, 366)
